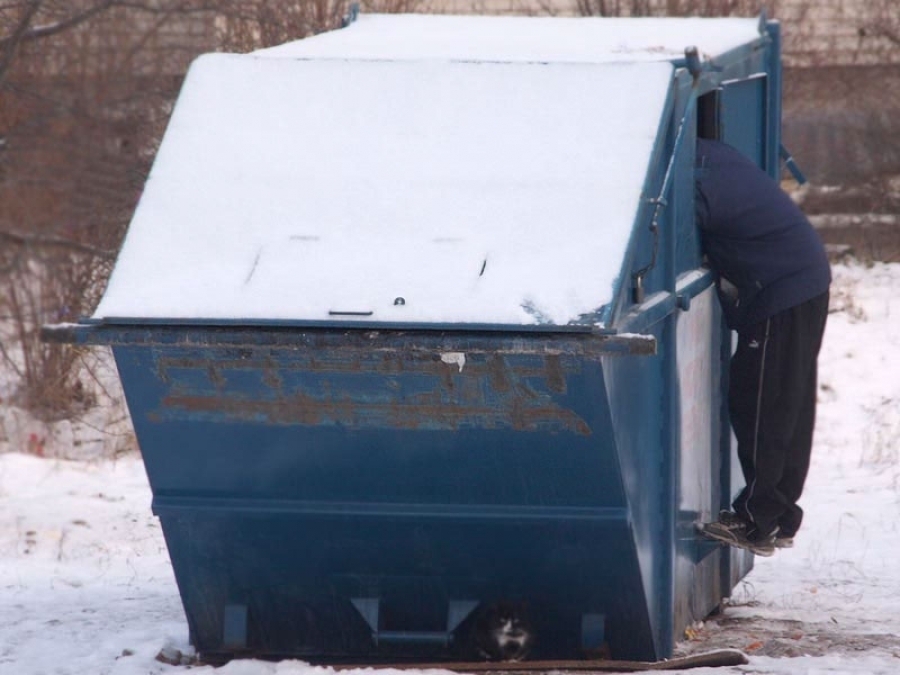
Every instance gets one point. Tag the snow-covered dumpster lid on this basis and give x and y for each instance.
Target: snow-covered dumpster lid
(522, 39)
(406, 170)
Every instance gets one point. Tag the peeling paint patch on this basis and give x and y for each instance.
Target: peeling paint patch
(454, 358)
(353, 388)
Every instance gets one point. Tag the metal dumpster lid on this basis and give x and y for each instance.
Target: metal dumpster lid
(420, 191)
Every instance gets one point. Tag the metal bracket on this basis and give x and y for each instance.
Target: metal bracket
(763, 21)
(234, 627)
(791, 165)
(457, 611)
(593, 631)
(698, 546)
(351, 15)
(705, 547)
(693, 62)
(368, 610)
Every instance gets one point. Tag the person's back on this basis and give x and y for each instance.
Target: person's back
(755, 237)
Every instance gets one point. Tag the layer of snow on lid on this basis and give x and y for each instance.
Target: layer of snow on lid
(492, 38)
(397, 191)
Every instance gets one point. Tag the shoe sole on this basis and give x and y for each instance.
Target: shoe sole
(731, 540)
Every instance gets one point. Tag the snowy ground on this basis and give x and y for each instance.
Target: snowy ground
(86, 586)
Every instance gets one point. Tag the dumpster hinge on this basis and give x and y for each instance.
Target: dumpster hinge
(351, 15)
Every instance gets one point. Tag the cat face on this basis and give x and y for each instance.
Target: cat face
(503, 632)
(512, 638)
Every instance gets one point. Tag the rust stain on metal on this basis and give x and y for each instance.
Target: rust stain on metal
(215, 376)
(271, 377)
(307, 410)
(497, 373)
(354, 389)
(556, 378)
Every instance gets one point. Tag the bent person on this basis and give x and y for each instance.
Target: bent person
(772, 276)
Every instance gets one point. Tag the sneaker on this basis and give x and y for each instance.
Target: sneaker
(734, 532)
(731, 519)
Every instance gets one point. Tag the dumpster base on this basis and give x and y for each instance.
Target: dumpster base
(720, 658)
(370, 588)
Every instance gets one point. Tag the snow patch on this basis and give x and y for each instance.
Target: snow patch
(88, 588)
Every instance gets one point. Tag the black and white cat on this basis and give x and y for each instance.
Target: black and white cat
(502, 631)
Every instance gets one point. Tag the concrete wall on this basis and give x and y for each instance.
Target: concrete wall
(837, 32)
(842, 123)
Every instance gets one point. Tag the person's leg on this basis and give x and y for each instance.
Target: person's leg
(771, 403)
(809, 323)
(754, 400)
(745, 372)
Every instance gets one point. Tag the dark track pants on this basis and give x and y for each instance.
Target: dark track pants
(772, 402)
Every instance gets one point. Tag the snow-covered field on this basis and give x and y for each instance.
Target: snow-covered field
(86, 586)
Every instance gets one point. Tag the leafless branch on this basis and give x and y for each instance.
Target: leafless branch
(43, 31)
(39, 240)
(9, 44)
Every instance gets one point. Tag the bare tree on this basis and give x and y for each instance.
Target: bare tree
(86, 88)
(639, 8)
(391, 6)
(70, 169)
(881, 24)
(251, 24)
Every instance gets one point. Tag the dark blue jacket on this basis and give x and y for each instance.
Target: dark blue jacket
(765, 252)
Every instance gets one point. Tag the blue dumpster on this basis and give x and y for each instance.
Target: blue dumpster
(412, 322)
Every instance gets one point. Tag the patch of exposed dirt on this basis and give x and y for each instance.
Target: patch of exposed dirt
(866, 240)
(783, 638)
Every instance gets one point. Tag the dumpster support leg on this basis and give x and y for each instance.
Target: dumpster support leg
(593, 633)
(234, 627)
